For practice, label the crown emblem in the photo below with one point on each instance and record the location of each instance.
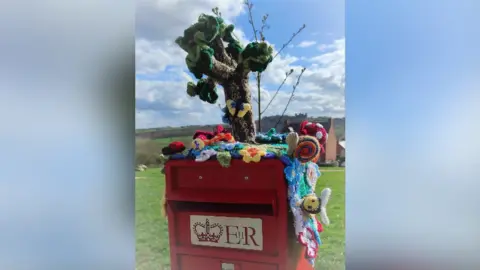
(207, 232)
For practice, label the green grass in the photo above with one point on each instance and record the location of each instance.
(152, 232)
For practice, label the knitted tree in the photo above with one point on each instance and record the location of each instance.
(213, 63)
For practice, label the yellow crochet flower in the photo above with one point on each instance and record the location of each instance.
(252, 154)
(231, 107)
(243, 108)
(198, 144)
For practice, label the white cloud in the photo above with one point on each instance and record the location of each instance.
(165, 102)
(155, 56)
(306, 43)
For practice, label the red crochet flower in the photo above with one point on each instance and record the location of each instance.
(203, 135)
(173, 148)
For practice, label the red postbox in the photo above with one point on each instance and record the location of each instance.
(234, 218)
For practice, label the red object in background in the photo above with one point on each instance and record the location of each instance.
(316, 130)
(232, 218)
(173, 148)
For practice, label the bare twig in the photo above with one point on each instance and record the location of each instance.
(250, 18)
(264, 26)
(290, 40)
(217, 12)
(278, 89)
(292, 95)
(258, 76)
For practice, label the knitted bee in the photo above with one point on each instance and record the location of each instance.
(312, 204)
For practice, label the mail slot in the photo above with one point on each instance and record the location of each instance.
(234, 218)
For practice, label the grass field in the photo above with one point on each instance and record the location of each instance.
(152, 234)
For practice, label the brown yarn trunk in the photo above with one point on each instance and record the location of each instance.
(234, 80)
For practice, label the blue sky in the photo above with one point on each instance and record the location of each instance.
(162, 74)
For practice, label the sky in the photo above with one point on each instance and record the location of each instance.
(162, 76)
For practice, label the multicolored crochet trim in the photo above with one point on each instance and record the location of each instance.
(299, 155)
(301, 180)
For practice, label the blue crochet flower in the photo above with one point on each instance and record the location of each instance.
(194, 153)
(228, 146)
(293, 171)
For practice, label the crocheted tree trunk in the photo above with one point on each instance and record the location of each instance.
(214, 64)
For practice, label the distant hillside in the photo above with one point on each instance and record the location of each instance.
(267, 123)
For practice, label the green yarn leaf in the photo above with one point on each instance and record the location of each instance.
(196, 42)
(224, 158)
(206, 91)
(192, 89)
(256, 56)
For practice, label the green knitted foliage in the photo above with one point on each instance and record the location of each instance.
(234, 47)
(228, 34)
(209, 26)
(192, 89)
(256, 56)
(196, 40)
(224, 158)
(205, 91)
(199, 60)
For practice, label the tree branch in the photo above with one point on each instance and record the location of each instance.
(221, 53)
(220, 72)
(290, 40)
(291, 95)
(287, 74)
(250, 18)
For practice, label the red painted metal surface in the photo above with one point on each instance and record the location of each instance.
(255, 191)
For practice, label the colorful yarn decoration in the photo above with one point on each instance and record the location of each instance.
(204, 89)
(256, 56)
(308, 149)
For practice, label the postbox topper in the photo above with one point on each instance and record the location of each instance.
(298, 153)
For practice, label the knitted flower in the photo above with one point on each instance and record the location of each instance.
(312, 174)
(252, 154)
(198, 144)
(205, 155)
(231, 106)
(227, 146)
(173, 148)
(292, 170)
(243, 108)
(307, 238)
